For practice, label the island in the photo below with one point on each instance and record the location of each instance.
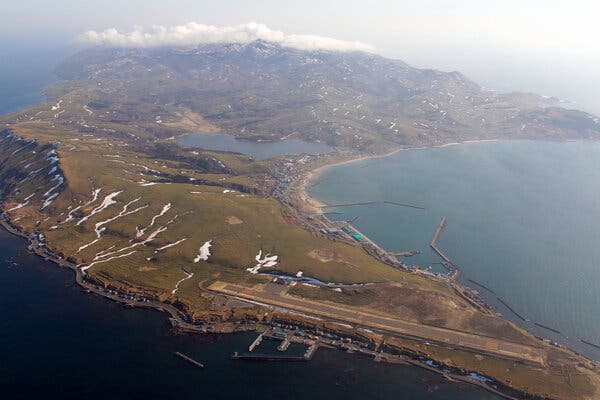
(97, 182)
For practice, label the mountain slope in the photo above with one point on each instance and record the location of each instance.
(352, 100)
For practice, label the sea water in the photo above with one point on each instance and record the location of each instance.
(523, 220)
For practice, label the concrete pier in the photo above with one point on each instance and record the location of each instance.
(284, 345)
(256, 342)
(310, 352)
(404, 205)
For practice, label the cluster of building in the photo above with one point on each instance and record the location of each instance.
(125, 296)
(314, 334)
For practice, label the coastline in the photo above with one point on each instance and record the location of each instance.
(317, 204)
(177, 319)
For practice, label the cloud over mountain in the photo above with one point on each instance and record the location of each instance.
(192, 34)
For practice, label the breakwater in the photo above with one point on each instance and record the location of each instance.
(548, 328)
(453, 270)
(404, 205)
(511, 309)
(590, 343)
(363, 203)
(189, 359)
(481, 285)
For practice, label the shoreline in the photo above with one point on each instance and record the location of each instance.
(176, 318)
(179, 318)
(318, 205)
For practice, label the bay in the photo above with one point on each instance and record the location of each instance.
(522, 220)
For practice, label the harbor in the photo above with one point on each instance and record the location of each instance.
(284, 339)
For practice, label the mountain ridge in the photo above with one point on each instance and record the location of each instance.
(352, 100)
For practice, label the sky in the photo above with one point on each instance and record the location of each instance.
(548, 47)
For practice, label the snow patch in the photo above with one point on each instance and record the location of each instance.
(108, 259)
(188, 275)
(107, 202)
(170, 245)
(140, 232)
(263, 262)
(203, 252)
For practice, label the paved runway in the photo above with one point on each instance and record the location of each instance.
(448, 337)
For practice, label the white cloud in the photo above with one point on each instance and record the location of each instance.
(193, 34)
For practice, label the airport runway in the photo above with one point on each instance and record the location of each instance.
(447, 337)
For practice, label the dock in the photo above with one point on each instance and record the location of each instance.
(256, 342)
(308, 355)
(284, 344)
(286, 341)
(190, 360)
(266, 357)
(310, 352)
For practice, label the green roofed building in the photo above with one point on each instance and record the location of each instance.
(358, 237)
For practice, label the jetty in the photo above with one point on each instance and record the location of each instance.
(590, 344)
(284, 344)
(405, 205)
(190, 360)
(256, 342)
(310, 352)
(307, 356)
(286, 340)
(481, 285)
(453, 270)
